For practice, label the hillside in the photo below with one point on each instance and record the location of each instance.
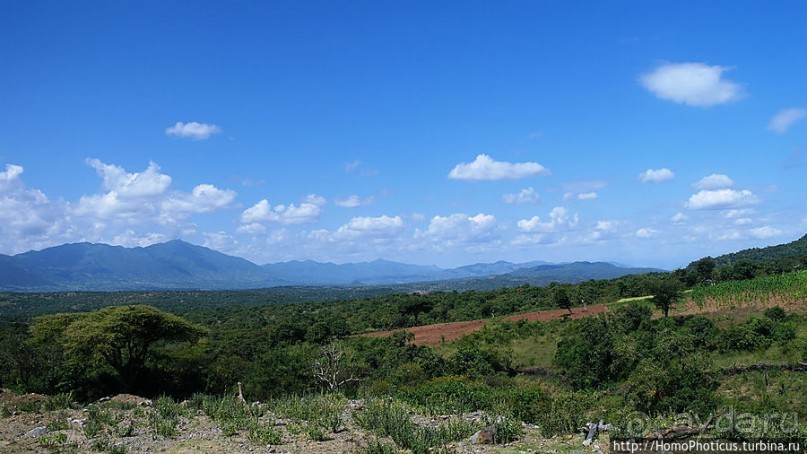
(795, 251)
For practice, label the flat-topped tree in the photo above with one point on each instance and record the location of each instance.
(121, 336)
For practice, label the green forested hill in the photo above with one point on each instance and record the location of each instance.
(795, 251)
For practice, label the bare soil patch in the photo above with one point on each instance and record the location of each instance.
(447, 332)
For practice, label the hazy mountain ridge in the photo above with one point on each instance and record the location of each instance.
(180, 265)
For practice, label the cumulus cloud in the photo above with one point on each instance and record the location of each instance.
(645, 233)
(353, 201)
(526, 196)
(22, 210)
(192, 130)
(765, 232)
(203, 199)
(12, 173)
(143, 197)
(263, 212)
(559, 219)
(606, 226)
(721, 199)
(460, 229)
(786, 118)
(485, 168)
(694, 84)
(679, 217)
(138, 184)
(372, 227)
(656, 175)
(130, 238)
(603, 229)
(131, 208)
(714, 181)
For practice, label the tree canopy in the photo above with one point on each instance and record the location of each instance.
(120, 336)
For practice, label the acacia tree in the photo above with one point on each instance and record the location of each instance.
(121, 336)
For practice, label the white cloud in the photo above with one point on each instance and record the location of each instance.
(203, 199)
(353, 201)
(143, 197)
(606, 226)
(460, 228)
(526, 196)
(130, 238)
(765, 232)
(139, 184)
(375, 227)
(714, 181)
(12, 173)
(559, 219)
(262, 212)
(694, 84)
(646, 233)
(28, 219)
(730, 214)
(743, 221)
(192, 130)
(679, 217)
(656, 176)
(314, 199)
(485, 168)
(721, 199)
(253, 229)
(581, 196)
(786, 118)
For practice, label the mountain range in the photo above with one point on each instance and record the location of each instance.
(180, 265)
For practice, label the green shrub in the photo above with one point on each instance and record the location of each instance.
(263, 435)
(565, 413)
(776, 314)
(391, 418)
(323, 411)
(450, 395)
(60, 401)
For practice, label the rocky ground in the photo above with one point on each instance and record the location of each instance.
(131, 424)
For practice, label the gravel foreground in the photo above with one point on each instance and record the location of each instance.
(132, 425)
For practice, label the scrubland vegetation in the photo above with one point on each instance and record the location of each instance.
(308, 363)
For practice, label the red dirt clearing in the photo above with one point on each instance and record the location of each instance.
(434, 334)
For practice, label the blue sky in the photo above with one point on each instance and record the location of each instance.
(447, 133)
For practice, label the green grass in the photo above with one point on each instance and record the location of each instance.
(390, 418)
(758, 391)
(321, 413)
(164, 418)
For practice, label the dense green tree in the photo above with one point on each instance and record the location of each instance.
(561, 298)
(416, 306)
(122, 337)
(666, 293)
(703, 269)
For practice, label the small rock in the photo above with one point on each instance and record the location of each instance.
(78, 422)
(36, 432)
(484, 436)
